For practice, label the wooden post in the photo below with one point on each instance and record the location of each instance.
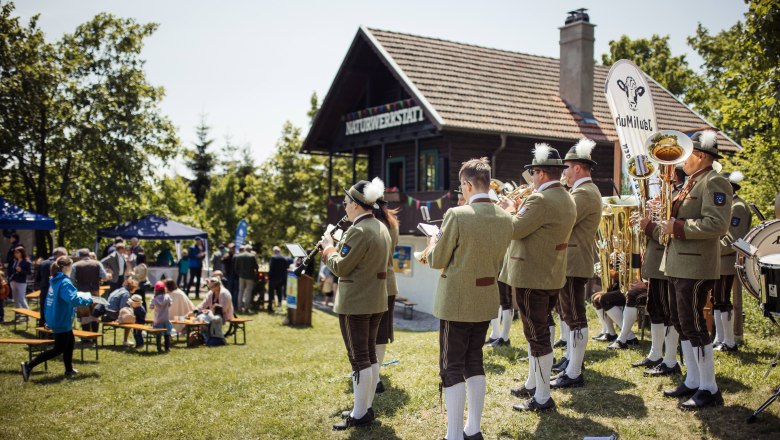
(736, 300)
(330, 174)
(354, 167)
(416, 186)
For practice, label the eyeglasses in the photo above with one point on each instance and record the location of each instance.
(462, 184)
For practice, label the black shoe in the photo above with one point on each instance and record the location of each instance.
(515, 316)
(565, 381)
(345, 414)
(605, 337)
(523, 391)
(647, 363)
(380, 387)
(26, 371)
(662, 370)
(532, 405)
(559, 343)
(72, 373)
(617, 345)
(349, 422)
(726, 348)
(477, 436)
(715, 345)
(490, 341)
(634, 341)
(500, 343)
(702, 399)
(560, 366)
(681, 391)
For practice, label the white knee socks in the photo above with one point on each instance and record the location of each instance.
(530, 382)
(706, 366)
(629, 317)
(691, 365)
(727, 318)
(552, 335)
(374, 381)
(455, 401)
(506, 324)
(543, 367)
(380, 353)
(495, 326)
(616, 315)
(577, 344)
(716, 317)
(361, 386)
(670, 346)
(657, 341)
(564, 331)
(475, 391)
(602, 320)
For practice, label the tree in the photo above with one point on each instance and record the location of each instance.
(201, 161)
(741, 93)
(655, 58)
(81, 130)
(314, 107)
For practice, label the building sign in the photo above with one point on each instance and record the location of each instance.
(402, 260)
(384, 116)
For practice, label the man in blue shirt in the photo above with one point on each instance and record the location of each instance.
(196, 255)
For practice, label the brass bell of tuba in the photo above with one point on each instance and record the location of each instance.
(668, 148)
(621, 209)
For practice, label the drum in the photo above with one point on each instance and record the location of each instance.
(770, 279)
(766, 238)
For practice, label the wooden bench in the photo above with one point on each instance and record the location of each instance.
(150, 331)
(29, 314)
(33, 345)
(33, 295)
(81, 334)
(239, 324)
(188, 326)
(408, 306)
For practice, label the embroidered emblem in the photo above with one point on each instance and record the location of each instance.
(345, 250)
(523, 210)
(720, 199)
(735, 221)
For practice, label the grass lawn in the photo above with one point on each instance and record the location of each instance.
(292, 383)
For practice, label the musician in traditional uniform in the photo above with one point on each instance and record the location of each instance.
(500, 326)
(536, 268)
(385, 333)
(579, 260)
(723, 310)
(469, 252)
(700, 216)
(360, 261)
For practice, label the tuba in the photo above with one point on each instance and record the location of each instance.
(621, 209)
(668, 148)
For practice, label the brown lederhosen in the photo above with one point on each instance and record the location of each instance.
(572, 303)
(359, 333)
(607, 300)
(505, 296)
(686, 299)
(460, 350)
(636, 296)
(385, 333)
(721, 296)
(658, 301)
(535, 308)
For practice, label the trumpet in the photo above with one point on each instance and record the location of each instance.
(339, 225)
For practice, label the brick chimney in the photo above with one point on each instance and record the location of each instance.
(576, 84)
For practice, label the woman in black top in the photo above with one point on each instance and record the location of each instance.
(20, 269)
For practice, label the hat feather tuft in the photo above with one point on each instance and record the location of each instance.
(374, 190)
(542, 152)
(708, 138)
(736, 177)
(584, 147)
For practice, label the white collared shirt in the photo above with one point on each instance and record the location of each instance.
(581, 181)
(546, 185)
(478, 196)
(360, 216)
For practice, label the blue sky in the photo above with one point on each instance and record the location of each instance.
(251, 65)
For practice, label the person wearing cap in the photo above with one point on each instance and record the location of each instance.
(139, 311)
(385, 335)
(700, 216)
(117, 263)
(218, 294)
(86, 276)
(246, 267)
(469, 252)
(664, 339)
(739, 226)
(360, 261)
(580, 252)
(277, 277)
(536, 268)
(161, 303)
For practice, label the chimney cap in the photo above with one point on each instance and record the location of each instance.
(577, 15)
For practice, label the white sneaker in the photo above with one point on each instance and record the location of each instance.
(129, 344)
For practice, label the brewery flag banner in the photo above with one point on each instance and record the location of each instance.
(241, 232)
(633, 112)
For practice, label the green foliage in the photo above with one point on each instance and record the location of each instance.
(655, 58)
(314, 107)
(742, 77)
(80, 127)
(201, 161)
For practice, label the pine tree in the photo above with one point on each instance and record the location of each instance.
(201, 162)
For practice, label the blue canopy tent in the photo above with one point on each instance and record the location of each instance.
(14, 217)
(154, 227)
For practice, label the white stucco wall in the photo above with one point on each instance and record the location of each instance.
(420, 287)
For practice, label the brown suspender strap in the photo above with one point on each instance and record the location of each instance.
(381, 275)
(561, 246)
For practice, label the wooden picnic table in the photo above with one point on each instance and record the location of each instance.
(33, 345)
(33, 295)
(27, 313)
(81, 334)
(188, 326)
(240, 324)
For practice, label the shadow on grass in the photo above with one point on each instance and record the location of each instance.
(511, 353)
(494, 368)
(61, 377)
(376, 430)
(731, 422)
(387, 403)
(553, 424)
(731, 385)
(600, 396)
(758, 357)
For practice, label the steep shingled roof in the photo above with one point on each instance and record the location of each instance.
(489, 90)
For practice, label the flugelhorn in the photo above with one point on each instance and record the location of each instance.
(668, 148)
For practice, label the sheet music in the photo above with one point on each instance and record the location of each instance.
(428, 229)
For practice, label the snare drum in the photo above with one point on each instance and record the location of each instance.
(766, 238)
(770, 280)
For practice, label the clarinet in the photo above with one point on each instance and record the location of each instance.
(299, 270)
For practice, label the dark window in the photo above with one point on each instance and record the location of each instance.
(429, 170)
(396, 172)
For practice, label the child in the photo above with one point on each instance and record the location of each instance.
(140, 318)
(215, 335)
(184, 267)
(160, 304)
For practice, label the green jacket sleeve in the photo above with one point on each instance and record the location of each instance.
(528, 217)
(441, 254)
(714, 220)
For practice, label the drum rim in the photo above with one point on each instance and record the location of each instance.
(744, 262)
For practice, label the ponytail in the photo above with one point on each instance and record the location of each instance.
(60, 264)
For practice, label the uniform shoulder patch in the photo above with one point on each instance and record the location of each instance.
(720, 198)
(345, 250)
(735, 221)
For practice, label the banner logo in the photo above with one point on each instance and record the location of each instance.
(633, 92)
